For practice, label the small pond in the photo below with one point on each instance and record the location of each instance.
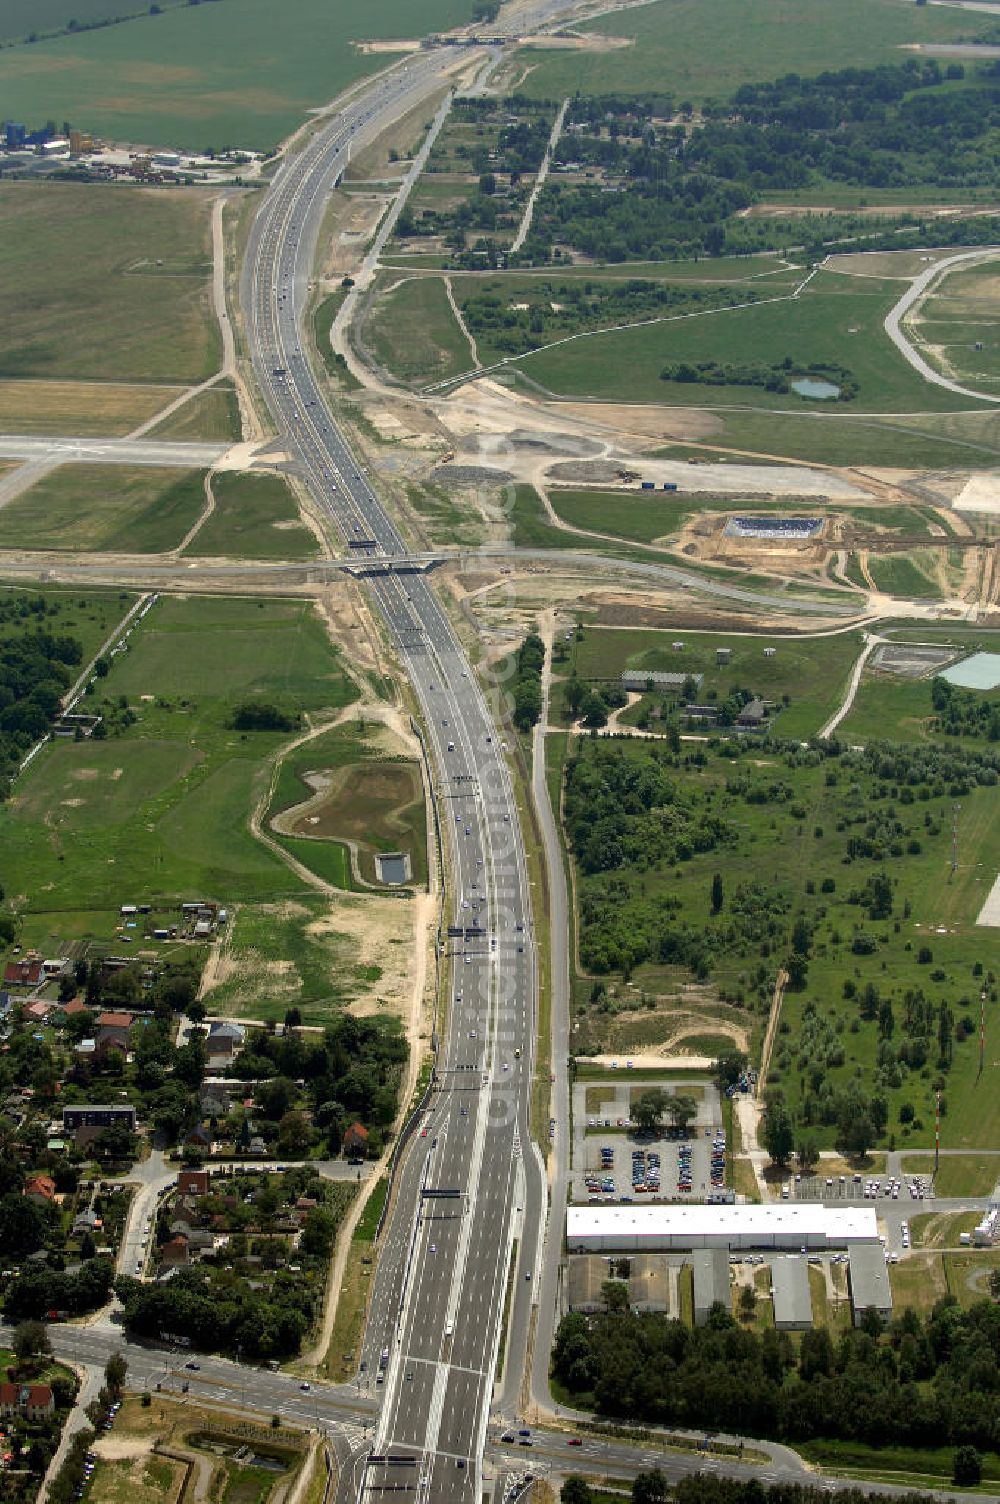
(816, 389)
(981, 671)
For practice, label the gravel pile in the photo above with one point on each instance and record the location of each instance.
(471, 475)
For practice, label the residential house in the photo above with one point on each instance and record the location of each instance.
(87, 1221)
(112, 1033)
(216, 1098)
(174, 1255)
(74, 1006)
(38, 1012)
(303, 1207)
(199, 1139)
(34, 1401)
(56, 966)
(224, 1042)
(26, 973)
(192, 1183)
(41, 1189)
(197, 1238)
(356, 1139)
(257, 1146)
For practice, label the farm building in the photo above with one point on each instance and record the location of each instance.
(710, 1267)
(642, 1229)
(790, 1293)
(637, 678)
(753, 715)
(869, 1279)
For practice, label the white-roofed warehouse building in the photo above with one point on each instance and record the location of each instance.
(661, 1229)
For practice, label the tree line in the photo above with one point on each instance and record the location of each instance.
(937, 1376)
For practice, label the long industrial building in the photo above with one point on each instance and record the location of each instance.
(647, 1229)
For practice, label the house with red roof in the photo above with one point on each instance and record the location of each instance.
(34, 1401)
(22, 973)
(40, 1188)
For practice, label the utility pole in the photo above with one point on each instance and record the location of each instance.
(954, 838)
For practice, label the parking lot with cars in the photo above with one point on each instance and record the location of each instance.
(857, 1187)
(614, 1160)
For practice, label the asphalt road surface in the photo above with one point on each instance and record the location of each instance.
(470, 1175)
(347, 1417)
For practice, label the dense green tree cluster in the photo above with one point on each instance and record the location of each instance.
(938, 1377)
(224, 1313)
(35, 672)
(964, 712)
(39, 1290)
(526, 687)
(679, 191)
(258, 715)
(628, 807)
(884, 127)
(777, 377)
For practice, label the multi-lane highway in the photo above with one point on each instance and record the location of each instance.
(470, 1182)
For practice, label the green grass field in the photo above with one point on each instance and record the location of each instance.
(81, 291)
(813, 672)
(641, 517)
(281, 957)
(836, 438)
(22, 17)
(761, 39)
(412, 333)
(214, 414)
(958, 1174)
(194, 77)
(836, 321)
(255, 517)
(111, 508)
(968, 1275)
(959, 315)
(899, 575)
(162, 809)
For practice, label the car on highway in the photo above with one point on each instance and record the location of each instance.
(574, 1441)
